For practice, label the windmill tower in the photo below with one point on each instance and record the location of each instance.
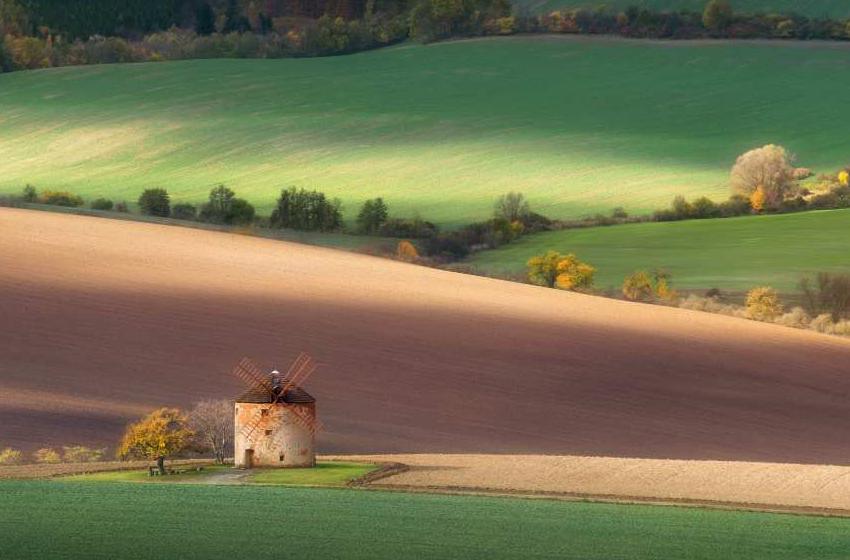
(275, 419)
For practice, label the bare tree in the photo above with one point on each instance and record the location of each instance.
(212, 422)
(512, 207)
(768, 168)
(827, 293)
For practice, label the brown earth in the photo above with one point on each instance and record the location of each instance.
(101, 319)
(797, 488)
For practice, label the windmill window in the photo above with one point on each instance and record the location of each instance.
(268, 432)
(265, 412)
(280, 458)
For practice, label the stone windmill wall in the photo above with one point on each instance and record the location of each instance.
(278, 440)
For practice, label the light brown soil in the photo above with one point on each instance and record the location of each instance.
(101, 319)
(817, 488)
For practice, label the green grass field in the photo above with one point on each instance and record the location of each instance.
(86, 520)
(731, 254)
(811, 8)
(324, 474)
(579, 125)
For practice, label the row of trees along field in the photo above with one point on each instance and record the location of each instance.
(45, 33)
(825, 296)
(205, 430)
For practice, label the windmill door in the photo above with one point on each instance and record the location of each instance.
(249, 459)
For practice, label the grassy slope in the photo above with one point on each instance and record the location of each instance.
(135, 521)
(735, 254)
(812, 8)
(579, 125)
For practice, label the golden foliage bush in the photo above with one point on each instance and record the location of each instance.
(10, 456)
(81, 454)
(763, 304)
(566, 272)
(47, 455)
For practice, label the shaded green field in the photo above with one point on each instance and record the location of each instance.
(579, 125)
(811, 8)
(731, 254)
(82, 520)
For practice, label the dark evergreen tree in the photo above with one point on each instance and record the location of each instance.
(204, 19)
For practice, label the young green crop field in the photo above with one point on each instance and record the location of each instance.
(62, 520)
(811, 8)
(731, 254)
(580, 125)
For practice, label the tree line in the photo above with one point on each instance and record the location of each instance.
(45, 33)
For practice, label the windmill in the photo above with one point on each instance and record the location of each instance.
(275, 419)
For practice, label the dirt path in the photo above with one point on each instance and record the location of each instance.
(821, 489)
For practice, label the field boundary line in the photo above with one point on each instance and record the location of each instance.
(811, 511)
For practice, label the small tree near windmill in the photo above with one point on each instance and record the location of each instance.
(159, 435)
(211, 422)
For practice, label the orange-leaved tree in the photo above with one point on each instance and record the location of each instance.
(160, 434)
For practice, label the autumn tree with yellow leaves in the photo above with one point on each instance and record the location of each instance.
(555, 270)
(159, 435)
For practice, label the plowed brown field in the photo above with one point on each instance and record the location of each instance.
(776, 486)
(102, 319)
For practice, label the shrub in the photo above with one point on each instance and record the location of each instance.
(155, 202)
(763, 304)
(406, 251)
(797, 318)
(827, 293)
(47, 455)
(122, 207)
(801, 173)
(10, 456)
(81, 454)
(619, 213)
(101, 204)
(566, 272)
(372, 216)
(30, 194)
(184, 211)
(638, 287)
(415, 228)
(61, 198)
(711, 305)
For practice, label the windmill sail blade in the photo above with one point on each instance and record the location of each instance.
(251, 426)
(252, 375)
(304, 420)
(302, 368)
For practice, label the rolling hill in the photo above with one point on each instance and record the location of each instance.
(811, 8)
(104, 319)
(579, 125)
(731, 254)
